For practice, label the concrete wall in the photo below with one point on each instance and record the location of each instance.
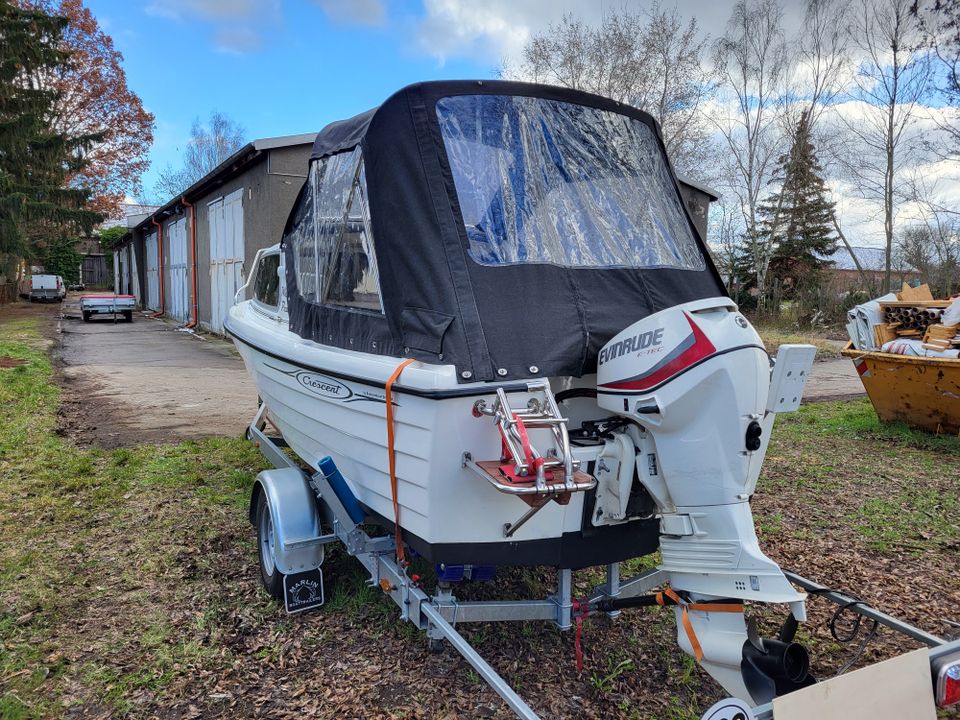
(698, 204)
(292, 160)
(269, 189)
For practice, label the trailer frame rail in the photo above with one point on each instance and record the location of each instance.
(438, 614)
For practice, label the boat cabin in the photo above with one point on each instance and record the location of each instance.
(505, 228)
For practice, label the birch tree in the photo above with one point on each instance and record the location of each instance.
(891, 80)
(751, 62)
(653, 61)
(209, 145)
(940, 22)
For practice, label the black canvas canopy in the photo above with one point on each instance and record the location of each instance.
(506, 228)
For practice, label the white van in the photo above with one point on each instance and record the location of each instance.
(47, 288)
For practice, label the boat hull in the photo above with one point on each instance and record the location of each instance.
(447, 512)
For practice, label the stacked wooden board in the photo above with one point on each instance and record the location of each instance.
(942, 337)
(916, 315)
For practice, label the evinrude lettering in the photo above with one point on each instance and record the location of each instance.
(638, 342)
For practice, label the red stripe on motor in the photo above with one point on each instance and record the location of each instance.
(701, 348)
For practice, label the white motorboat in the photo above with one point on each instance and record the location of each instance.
(513, 266)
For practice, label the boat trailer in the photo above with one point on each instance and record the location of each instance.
(438, 614)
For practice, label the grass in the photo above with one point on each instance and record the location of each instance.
(856, 421)
(895, 486)
(774, 337)
(128, 583)
(78, 521)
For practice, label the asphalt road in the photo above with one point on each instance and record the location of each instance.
(834, 379)
(146, 381)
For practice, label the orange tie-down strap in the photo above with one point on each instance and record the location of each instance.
(392, 458)
(685, 618)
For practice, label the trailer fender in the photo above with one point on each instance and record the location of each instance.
(296, 523)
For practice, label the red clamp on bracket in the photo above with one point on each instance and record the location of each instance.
(525, 444)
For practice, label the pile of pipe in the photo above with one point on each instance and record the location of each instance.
(913, 318)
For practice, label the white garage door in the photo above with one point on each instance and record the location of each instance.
(153, 274)
(123, 286)
(134, 276)
(226, 255)
(179, 288)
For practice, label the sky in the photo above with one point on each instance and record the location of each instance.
(283, 67)
(276, 68)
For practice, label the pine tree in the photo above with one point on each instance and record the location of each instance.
(38, 209)
(796, 220)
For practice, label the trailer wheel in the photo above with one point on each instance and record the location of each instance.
(271, 577)
(128, 315)
(86, 316)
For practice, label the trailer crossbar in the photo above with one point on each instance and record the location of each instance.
(856, 605)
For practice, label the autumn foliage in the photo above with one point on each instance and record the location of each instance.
(93, 99)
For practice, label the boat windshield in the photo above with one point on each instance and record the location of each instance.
(541, 181)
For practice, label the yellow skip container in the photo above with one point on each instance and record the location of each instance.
(922, 392)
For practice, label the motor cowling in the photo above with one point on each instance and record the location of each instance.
(696, 378)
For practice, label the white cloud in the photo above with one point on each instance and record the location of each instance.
(496, 30)
(355, 12)
(210, 9)
(492, 31)
(163, 10)
(236, 40)
(237, 24)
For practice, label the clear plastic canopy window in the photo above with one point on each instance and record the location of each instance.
(331, 238)
(541, 181)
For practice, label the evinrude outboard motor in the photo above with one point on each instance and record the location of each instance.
(698, 381)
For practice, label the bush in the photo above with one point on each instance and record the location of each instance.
(61, 258)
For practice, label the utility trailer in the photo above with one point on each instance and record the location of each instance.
(113, 305)
(296, 513)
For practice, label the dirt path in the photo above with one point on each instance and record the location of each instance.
(833, 379)
(131, 383)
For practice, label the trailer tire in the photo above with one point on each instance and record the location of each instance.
(271, 577)
(86, 316)
(128, 315)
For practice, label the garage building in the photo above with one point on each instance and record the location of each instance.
(238, 208)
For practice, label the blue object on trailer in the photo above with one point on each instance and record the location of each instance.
(456, 573)
(353, 507)
(449, 573)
